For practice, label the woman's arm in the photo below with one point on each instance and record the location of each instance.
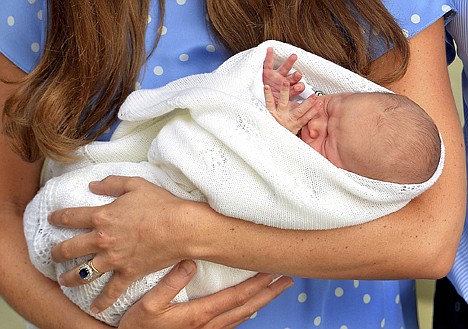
(418, 241)
(41, 301)
(31, 294)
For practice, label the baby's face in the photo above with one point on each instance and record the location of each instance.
(342, 127)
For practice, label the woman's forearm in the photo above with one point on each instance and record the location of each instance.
(413, 243)
(46, 306)
(32, 295)
(419, 241)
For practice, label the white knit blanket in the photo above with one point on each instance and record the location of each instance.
(209, 138)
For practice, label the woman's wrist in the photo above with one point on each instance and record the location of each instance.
(196, 228)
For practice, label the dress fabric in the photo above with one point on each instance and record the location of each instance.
(187, 48)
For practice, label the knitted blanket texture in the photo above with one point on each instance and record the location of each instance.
(209, 138)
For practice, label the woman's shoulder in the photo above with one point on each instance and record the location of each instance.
(416, 15)
(22, 30)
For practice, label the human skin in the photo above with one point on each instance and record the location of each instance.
(419, 241)
(345, 119)
(47, 307)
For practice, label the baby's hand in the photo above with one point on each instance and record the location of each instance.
(276, 78)
(291, 115)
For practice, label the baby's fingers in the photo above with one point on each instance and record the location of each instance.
(287, 65)
(307, 110)
(268, 63)
(269, 99)
(283, 100)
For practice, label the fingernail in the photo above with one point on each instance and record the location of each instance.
(185, 267)
(93, 182)
(94, 310)
(60, 281)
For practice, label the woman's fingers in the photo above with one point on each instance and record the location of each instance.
(241, 313)
(240, 296)
(84, 244)
(72, 217)
(113, 289)
(116, 185)
(171, 284)
(225, 309)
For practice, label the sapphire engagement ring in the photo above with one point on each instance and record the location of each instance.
(88, 272)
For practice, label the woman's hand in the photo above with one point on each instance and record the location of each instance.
(135, 235)
(225, 309)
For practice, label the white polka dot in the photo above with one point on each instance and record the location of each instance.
(339, 292)
(184, 57)
(405, 33)
(32, 1)
(317, 321)
(415, 18)
(302, 297)
(366, 298)
(158, 70)
(137, 85)
(446, 8)
(356, 283)
(382, 323)
(253, 316)
(149, 19)
(163, 30)
(210, 48)
(344, 327)
(397, 299)
(35, 47)
(11, 20)
(181, 2)
(39, 15)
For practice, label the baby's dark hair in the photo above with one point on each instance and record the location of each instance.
(409, 144)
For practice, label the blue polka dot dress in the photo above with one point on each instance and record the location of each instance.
(187, 48)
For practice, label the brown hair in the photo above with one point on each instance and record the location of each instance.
(95, 49)
(93, 55)
(339, 31)
(408, 146)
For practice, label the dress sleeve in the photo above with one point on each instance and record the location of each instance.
(22, 31)
(415, 15)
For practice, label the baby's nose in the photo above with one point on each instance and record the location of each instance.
(318, 126)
